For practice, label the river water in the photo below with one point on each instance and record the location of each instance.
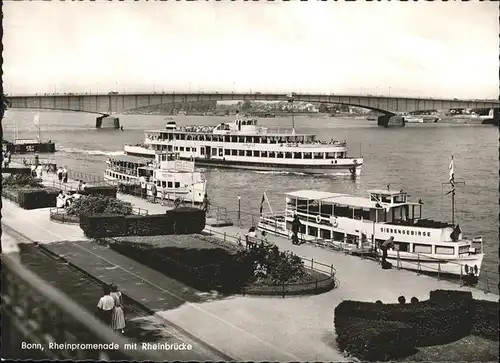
(414, 158)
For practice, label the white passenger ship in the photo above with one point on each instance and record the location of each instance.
(361, 224)
(176, 178)
(244, 144)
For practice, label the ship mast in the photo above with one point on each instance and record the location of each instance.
(452, 182)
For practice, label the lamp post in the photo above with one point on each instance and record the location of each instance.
(239, 210)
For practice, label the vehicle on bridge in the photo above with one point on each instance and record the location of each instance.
(243, 144)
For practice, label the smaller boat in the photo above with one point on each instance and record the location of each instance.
(176, 178)
(25, 146)
(363, 225)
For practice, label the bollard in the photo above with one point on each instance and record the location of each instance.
(461, 277)
(398, 261)
(331, 270)
(224, 237)
(283, 290)
(312, 263)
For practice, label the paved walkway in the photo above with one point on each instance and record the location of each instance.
(293, 328)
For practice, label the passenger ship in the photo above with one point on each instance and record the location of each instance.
(361, 224)
(176, 178)
(243, 144)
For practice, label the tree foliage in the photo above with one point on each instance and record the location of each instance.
(97, 204)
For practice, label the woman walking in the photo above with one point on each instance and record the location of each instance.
(117, 318)
(65, 175)
(105, 306)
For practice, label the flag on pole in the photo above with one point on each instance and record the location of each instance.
(452, 172)
(36, 119)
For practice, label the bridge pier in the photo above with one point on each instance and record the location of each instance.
(390, 119)
(107, 121)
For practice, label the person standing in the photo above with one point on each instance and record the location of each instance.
(105, 306)
(296, 224)
(154, 191)
(59, 174)
(117, 318)
(65, 174)
(39, 171)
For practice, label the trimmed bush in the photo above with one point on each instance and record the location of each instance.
(150, 225)
(376, 340)
(434, 324)
(445, 296)
(485, 320)
(187, 220)
(103, 225)
(103, 190)
(37, 198)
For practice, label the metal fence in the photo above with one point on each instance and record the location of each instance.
(34, 312)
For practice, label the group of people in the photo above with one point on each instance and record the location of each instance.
(64, 199)
(110, 308)
(62, 174)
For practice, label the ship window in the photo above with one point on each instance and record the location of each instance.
(181, 148)
(233, 139)
(280, 155)
(227, 138)
(241, 152)
(428, 234)
(170, 184)
(227, 152)
(214, 151)
(381, 230)
(193, 149)
(401, 246)
(331, 155)
(263, 154)
(256, 153)
(234, 152)
(288, 155)
(188, 148)
(312, 231)
(325, 234)
(412, 233)
(419, 233)
(241, 139)
(307, 155)
(183, 137)
(249, 153)
(418, 248)
(264, 140)
(399, 231)
(318, 155)
(272, 154)
(297, 155)
(202, 151)
(445, 250)
(390, 230)
(177, 184)
(188, 137)
(164, 184)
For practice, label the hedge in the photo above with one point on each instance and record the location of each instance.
(485, 319)
(106, 190)
(33, 198)
(433, 324)
(184, 221)
(376, 340)
(150, 225)
(447, 316)
(187, 220)
(102, 225)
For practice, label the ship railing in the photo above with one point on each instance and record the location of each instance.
(33, 311)
(243, 240)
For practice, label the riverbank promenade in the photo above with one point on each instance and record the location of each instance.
(242, 327)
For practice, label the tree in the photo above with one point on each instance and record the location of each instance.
(246, 105)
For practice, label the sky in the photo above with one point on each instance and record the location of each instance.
(423, 49)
